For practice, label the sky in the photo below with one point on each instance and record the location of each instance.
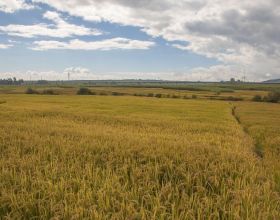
(194, 40)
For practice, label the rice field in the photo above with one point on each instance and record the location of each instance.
(125, 157)
(262, 121)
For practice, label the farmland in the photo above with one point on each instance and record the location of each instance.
(129, 157)
(202, 91)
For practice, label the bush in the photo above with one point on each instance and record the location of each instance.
(175, 96)
(103, 93)
(231, 98)
(186, 97)
(158, 95)
(150, 95)
(31, 91)
(257, 98)
(84, 91)
(117, 94)
(273, 97)
(48, 92)
(194, 96)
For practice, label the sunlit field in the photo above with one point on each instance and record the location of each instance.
(126, 157)
(139, 110)
(262, 121)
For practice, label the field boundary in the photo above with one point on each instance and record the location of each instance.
(258, 147)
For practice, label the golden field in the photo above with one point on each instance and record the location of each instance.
(125, 157)
(262, 122)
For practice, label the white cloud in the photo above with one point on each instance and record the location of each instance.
(108, 44)
(243, 33)
(5, 46)
(214, 73)
(10, 6)
(59, 29)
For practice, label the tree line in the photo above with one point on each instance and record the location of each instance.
(11, 81)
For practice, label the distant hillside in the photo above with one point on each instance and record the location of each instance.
(272, 81)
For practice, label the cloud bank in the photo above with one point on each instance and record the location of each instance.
(59, 29)
(243, 35)
(5, 46)
(10, 6)
(108, 44)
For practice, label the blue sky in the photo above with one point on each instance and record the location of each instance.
(118, 39)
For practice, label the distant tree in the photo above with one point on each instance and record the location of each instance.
(257, 98)
(158, 95)
(117, 93)
(48, 92)
(31, 91)
(232, 80)
(175, 96)
(84, 91)
(11, 81)
(194, 96)
(273, 97)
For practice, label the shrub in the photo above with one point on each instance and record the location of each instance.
(117, 93)
(175, 97)
(48, 92)
(158, 95)
(31, 91)
(273, 97)
(139, 94)
(231, 98)
(194, 96)
(150, 95)
(103, 93)
(257, 98)
(84, 91)
(186, 97)
(226, 90)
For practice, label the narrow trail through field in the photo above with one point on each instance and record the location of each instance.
(258, 148)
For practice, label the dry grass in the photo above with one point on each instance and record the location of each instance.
(98, 157)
